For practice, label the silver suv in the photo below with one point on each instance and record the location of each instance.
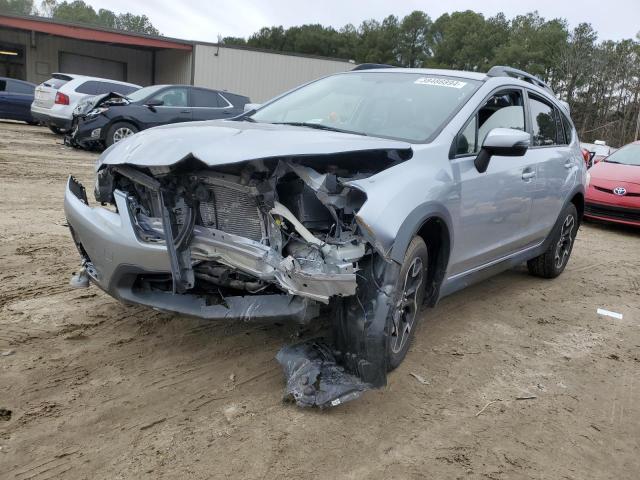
(365, 194)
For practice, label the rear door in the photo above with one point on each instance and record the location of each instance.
(19, 96)
(555, 162)
(174, 109)
(495, 206)
(209, 105)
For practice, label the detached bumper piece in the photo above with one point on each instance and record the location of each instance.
(314, 379)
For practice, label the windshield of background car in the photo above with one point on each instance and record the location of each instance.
(403, 106)
(144, 93)
(627, 155)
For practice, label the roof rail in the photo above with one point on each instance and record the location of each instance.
(370, 66)
(502, 71)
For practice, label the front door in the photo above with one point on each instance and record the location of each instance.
(174, 109)
(495, 206)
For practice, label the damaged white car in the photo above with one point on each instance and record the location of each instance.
(364, 195)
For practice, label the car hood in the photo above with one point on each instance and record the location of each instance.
(615, 172)
(223, 142)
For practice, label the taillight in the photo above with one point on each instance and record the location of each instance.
(586, 155)
(62, 99)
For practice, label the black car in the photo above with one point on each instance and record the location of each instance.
(16, 97)
(106, 119)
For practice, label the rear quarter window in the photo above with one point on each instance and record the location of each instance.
(90, 87)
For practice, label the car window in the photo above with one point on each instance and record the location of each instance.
(19, 87)
(57, 81)
(173, 97)
(405, 106)
(108, 87)
(3, 85)
(206, 98)
(503, 110)
(543, 121)
(568, 129)
(90, 87)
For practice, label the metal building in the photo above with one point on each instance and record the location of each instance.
(32, 48)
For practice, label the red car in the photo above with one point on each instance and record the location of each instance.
(613, 193)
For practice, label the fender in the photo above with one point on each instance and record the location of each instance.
(412, 224)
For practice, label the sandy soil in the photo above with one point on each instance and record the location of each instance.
(98, 390)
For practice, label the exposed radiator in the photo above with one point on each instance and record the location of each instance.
(232, 211)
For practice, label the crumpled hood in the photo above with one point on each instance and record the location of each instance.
(222, 142)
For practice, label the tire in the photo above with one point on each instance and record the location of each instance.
(57, 130)
(408, 298)
(554, 260)
(120, 130)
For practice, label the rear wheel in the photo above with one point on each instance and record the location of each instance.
(554, 260)
(408, 299)
(119, 131)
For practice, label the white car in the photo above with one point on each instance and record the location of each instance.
(55, 99)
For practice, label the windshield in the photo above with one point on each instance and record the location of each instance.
(627, 155)
(144, 93)
(404, 106)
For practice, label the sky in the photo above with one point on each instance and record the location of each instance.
(204, 20)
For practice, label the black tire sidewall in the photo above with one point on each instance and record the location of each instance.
(570, 209)
(416, 248)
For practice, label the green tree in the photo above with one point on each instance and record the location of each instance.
(413, 39)
(17, 7)
(135, 23)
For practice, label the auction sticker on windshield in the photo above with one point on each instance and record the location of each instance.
(440, 82)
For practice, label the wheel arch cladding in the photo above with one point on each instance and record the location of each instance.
(432, 223)
(578, 200)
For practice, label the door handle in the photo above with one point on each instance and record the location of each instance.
(528, 175)
(185, 111)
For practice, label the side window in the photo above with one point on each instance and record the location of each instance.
(90, 87)
(173, 97)
(205, 98)
(3, 85)
(544, 126)
(19, 87)
(503, 110)
(568, 129)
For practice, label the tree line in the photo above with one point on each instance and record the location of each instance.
(78, 11)
(599, 79)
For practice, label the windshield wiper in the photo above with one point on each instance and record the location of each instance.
(319, 126)
(610, 161)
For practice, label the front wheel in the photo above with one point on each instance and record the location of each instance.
(554, 260)
(119, 131)
(407, 301)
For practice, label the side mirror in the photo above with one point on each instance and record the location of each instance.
(251, 106)
(505, 142)
(152, 104)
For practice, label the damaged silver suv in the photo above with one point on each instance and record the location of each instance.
(363, 195)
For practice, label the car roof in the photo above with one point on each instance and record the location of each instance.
(482, 77)
(427, 71)
(75, 76)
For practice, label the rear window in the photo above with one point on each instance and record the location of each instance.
(57, 81)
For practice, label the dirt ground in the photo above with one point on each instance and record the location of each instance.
(98, 390)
